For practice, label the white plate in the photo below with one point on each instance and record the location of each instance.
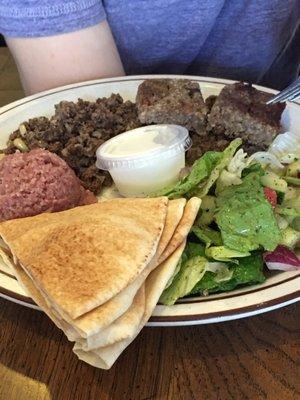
(278, 291)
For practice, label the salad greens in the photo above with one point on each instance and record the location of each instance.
(224, 160)
(250, 210)
(191, 272)
(249, 271)
(208, 235)
(245, 217)
(201, 170)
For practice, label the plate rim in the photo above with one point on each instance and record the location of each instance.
(92, 82)
(175, 320)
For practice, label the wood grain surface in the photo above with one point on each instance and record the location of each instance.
(254, 358)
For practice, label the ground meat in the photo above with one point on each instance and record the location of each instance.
(241, 111)
(202, 144)
(76, 130)
(172, 101)
(38, 181)
(210, 101)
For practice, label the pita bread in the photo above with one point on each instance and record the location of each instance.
(174, 215)
(121, 329)
(26, 282)
(83, 257)
(99, 318)
(104, 357)
(70, 328)
(95, 320)
(7, 259)
(183, 228)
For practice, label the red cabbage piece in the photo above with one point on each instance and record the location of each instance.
(282, 258)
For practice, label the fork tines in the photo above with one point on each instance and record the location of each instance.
(292, 92)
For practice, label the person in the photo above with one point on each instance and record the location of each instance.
(60, 42)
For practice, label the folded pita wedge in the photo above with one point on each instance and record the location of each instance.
(104, 357)
(98, 319)
(174, 215)
(101, 317)
(83, 257)
(122, 328)
(28, 285)
(183, 228)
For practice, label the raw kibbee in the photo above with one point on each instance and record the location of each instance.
(240, 110)
(38, 181)
(172, 101)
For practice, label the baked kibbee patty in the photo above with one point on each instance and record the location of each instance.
(172, 101)
(240, 110)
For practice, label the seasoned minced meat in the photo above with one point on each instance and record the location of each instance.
(241, 111)
(171, 101)
(76, 130)
(201, 144)
(38, 181)
(210, 101)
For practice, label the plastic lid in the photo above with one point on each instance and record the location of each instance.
(139, 147)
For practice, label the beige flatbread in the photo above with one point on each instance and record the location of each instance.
(6, 258)
(27, 283)
(101, 317)
(83, 257)
(70, 328)
(104, 357)
(121, 329)
(174, 215)
(98, 319)
(189, 215)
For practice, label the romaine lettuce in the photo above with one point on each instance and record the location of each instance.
(245, 218)
(189, 275)
(249, 271)
(201, 170)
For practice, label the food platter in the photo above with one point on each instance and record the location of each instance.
(279, 290)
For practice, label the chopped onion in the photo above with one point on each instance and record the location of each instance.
(238, 163)
(282, 258)
(286, 147)
(266, 158)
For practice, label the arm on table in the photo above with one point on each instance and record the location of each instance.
(48, 62)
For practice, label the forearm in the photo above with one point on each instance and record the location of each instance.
(48, 62)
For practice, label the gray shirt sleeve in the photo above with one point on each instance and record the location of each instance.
(35, 18)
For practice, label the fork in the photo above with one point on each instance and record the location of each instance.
(292, 92)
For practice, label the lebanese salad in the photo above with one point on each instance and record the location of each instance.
(249, 221)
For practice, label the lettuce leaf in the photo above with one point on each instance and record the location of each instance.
(245, 218)
(249, 271)
(194, 249)
(203, 175)
(225, 159)
(208, 236)
(223, 253)
(200, 171)
(190, 273)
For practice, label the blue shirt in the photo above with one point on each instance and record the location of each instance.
(253, 40)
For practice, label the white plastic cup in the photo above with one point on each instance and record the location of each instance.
(146, 159)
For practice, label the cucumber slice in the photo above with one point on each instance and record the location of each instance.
(272, 181)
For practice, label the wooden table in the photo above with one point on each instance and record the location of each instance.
(251, 359)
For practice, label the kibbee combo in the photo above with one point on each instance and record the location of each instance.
(211, 189)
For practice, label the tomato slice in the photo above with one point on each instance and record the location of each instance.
(271, 196)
